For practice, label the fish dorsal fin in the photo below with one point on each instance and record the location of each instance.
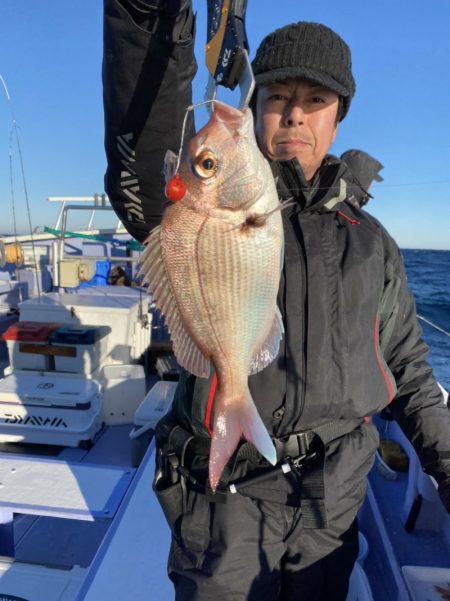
(154, 273)
(269, 350)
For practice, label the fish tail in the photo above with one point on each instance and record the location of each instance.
(232, 422)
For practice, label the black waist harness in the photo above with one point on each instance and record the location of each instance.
(303, 452)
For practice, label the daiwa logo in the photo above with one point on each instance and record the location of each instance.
(226, 57)
(34, 420)
(128, 180)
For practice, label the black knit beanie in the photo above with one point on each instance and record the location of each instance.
(310, 51)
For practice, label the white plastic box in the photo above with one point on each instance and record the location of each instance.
(49, 409)
(123, 390)
(154, 406)
(127, 316)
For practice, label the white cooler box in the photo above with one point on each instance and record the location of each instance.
(155, 405)
(48, 409)
(123, 388)
(127, 317)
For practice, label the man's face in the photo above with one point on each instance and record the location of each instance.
(296, 118)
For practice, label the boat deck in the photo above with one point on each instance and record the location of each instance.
(44, 539)
(391, 547)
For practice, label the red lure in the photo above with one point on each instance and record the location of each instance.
(175, 188)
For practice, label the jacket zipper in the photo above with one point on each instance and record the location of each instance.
(303, 322)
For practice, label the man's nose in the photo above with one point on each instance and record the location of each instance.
(294, 115)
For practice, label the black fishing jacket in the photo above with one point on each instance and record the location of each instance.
(352, 344)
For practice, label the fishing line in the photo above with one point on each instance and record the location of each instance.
(5, 88)
(375, 186)
(15, 132)
(433, 325)
(11, 182)
(10, 160)
(190, 108)
(435, 183)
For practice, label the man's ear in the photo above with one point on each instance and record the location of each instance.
(335, 133)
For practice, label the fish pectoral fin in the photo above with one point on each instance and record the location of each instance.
(185, 350)
(269, 349)
(232, 422)
(154, 273)
(255, 220)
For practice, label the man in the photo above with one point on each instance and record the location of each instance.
(352, 343)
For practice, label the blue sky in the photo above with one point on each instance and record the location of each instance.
(50, 58)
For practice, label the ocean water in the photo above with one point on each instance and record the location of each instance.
(428, 274)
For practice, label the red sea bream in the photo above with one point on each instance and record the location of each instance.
(213, 268)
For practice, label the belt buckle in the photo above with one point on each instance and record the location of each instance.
(303, 443)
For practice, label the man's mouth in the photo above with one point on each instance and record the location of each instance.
(293, 142)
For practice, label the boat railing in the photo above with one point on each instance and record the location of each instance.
(97, 201)
(92, 205)
(64, 233)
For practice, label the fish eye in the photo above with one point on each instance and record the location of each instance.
(205, 164)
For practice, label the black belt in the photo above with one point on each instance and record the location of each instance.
(293, 445)
(325, 432)
(297, 450)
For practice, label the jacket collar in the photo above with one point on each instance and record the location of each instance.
(324, 193)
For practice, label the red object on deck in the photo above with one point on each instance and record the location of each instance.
(30, 331)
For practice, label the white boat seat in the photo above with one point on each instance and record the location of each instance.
(39, 583)
(48, 487)
(427, 583)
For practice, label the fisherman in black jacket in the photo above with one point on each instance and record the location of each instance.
(352, 343)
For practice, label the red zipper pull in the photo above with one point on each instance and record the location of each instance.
(349, 219)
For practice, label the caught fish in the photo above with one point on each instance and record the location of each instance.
(213, 268)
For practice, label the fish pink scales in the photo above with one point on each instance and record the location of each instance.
(213, 268)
